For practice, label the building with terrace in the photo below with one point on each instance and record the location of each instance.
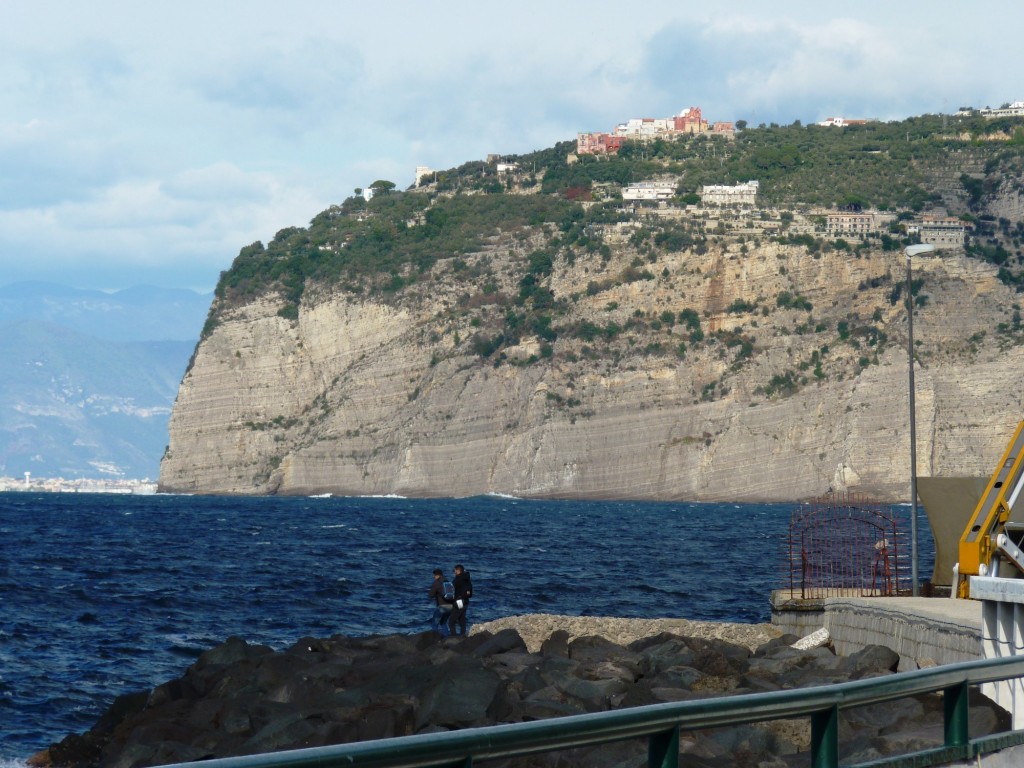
(744, 194)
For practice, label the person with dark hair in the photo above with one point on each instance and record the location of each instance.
(463, 591)
(442, 601)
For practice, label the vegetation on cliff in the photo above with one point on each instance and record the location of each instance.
(389, 242)
(557, 209)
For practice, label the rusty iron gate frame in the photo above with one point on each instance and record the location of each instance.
(846, 545)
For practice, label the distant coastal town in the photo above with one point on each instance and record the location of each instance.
(689, 122)
(29, 484)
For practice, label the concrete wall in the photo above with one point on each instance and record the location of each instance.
(923, 631)
(1007, 758)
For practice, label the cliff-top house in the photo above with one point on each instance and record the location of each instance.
(688, 122)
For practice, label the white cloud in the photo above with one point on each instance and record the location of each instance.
(806, 68)
(153, 148)
(314, 78)
(134, 226)
(219, 181)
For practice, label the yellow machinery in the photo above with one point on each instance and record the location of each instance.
(994, 532)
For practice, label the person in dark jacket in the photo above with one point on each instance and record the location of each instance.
(442, 604)
(463, 591)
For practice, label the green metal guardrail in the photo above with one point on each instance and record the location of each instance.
(661, 724)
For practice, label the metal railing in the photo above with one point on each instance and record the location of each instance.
(662, 723)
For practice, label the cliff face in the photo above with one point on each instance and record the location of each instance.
(779, 400)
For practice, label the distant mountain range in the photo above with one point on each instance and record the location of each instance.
(143, 313)
(90, 377)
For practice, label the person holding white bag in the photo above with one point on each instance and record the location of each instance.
(463, 591)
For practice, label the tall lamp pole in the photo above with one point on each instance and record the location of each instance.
(913, 250)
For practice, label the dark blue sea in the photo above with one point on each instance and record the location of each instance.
(102, 595)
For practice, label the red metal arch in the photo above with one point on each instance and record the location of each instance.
(845, 544)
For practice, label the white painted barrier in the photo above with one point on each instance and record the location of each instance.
(1002, 634)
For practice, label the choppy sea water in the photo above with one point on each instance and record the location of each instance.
(104, 595)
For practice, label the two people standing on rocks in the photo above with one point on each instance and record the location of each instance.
(451, 599)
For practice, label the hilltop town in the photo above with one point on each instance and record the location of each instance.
(736, 208)
(689, 122)
(935, 228)
(737, 204)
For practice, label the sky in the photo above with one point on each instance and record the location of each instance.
(146, 143)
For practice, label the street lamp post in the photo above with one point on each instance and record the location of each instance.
(913, 250)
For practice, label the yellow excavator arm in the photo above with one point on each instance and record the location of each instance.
(980, 551)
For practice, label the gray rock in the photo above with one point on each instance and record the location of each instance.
(387, 719)
(665, 693)
(610, 670)
(551, 668)
(595, 695)
(556, 645)
(663, 651)
(871, 660)
(885, 715)
(541, 709)
(913, 739)
(640, 695)
(550, 700)
(231, 651)
(594, 648)
(503, 642)
(171, 691)
(235, 721)
(783, 640)
(461, 697)
(677, 677)
(512, 663)
(136, 755)
(509, 694)
(281, 733)
(784, 667)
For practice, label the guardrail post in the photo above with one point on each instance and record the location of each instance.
(955, 707)
(663, 749)
(825, 738)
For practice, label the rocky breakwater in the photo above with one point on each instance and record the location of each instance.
(241, 699)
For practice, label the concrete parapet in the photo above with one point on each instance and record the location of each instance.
(1006, 758)
(925, 631)
(1002, 616)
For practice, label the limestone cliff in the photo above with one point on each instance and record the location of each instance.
(791, 381)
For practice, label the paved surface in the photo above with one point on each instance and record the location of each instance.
(966, 613)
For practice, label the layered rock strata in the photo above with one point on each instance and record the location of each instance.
(359, 396)
(781, 398)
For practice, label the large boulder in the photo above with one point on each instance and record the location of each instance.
(871, 661)
(461, 696)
